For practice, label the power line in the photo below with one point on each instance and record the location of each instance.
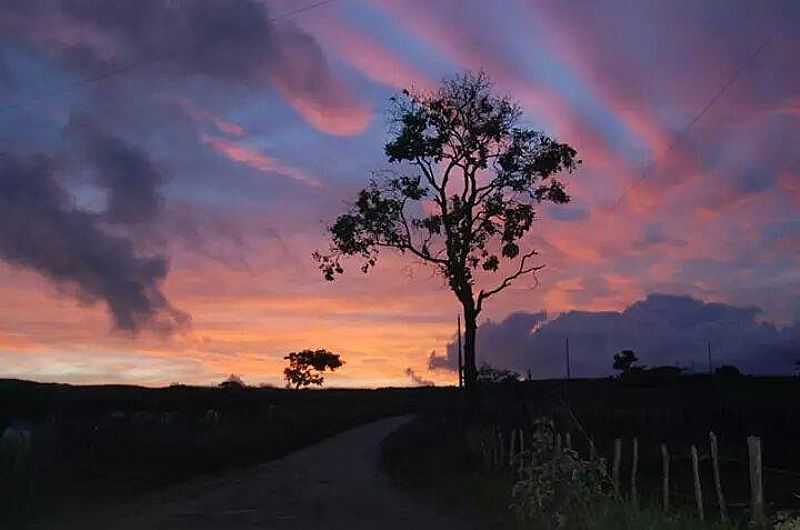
(711, 102)
(125, 68)
(301, 10)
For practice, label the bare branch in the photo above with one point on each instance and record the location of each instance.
(523, 270)
(427, 170)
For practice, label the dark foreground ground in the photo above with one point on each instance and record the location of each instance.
(96, 447)
(336, 484)
(93, 446)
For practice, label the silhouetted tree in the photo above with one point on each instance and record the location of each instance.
(464, 197)
(488, 374)
(306, 367)
(624, 361)
(233, 382)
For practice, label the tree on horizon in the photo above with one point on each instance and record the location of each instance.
(625, 361)
(462, 198)
(306, 367)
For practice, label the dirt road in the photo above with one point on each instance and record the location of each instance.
(333, 485)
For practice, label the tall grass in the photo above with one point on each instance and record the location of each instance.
(621, 516)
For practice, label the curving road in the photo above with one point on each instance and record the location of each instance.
(335, 484)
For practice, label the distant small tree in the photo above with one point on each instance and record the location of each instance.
(488, 374)
(233, 382)
(306, 367)
(624, 361)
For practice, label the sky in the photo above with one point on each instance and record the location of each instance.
(167, 168)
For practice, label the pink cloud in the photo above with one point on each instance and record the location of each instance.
(469, 49)
(304, 80)
(789, 183)
(791, 107)
(369, 56)
(223, 125)
(472, 48)
(322, 113)
(259, 161)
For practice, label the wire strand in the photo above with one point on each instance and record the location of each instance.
(711, 102)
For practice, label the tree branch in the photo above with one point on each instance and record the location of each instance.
(483, 295)
(427, 170)
(410, 244)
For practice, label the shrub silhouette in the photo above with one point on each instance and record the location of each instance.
(490, 375)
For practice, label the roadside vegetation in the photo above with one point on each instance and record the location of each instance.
(552, 483)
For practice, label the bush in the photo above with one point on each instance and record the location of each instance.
(489, 375)
(784, 521)
(558, 487)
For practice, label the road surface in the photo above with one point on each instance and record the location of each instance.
(336, 484)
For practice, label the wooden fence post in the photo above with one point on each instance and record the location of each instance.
(502, 450)
(615, 468)
(511, 447)
(665, 467)
(698, 492)
(496, 449)
(723, 507)
(756, 482)
(634, 470)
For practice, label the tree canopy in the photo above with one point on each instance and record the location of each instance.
(461, 196)
(624, 360)
(306, 367)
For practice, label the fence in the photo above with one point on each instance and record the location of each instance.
(508, 450)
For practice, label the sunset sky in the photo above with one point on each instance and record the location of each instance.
(167, 167)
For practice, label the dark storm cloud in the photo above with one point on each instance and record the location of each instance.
(130, 179)
(235, 42)
(43, 230)
(223, 39)
(144, 53)
(662, 329)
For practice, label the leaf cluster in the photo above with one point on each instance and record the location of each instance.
(557, 487)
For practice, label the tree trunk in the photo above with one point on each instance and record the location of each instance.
(470, 331)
